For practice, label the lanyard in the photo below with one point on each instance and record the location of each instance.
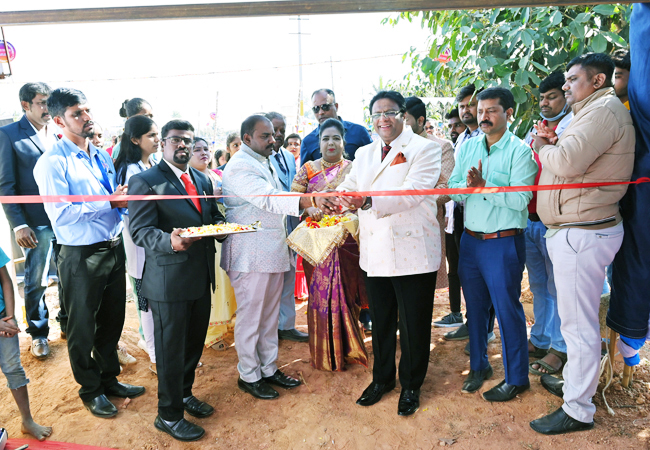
(105, 182)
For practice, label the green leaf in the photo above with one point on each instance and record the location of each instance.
(491, 61)
(527, 38)
(482, 64)
(583, 17)
(427, 65)
(605, 10)
(540, 67)
(577, 30)
(534, 78)
(519, 94)
(556, 17)
(521, 78)
(465, 29)
(599, 43)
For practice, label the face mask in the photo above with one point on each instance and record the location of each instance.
(564, 112)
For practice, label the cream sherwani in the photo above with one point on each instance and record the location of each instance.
(256, 262)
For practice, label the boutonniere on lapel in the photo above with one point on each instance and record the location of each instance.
(59, 136)
(399, 159)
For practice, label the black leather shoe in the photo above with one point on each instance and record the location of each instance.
(124, 390)
(559, 422)
(409, 402)
(282, 380)
(374, 393)
(475, 379)
(197, 408)
(260, 389)
(552, 384)
(100, 406)
(459, 334)
(182, 430)
(503, 392)
(293, 335)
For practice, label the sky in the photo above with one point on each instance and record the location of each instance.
(181, 66)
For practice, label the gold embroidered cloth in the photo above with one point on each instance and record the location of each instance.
(316, 244)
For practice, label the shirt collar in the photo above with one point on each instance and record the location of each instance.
(254, 154)
(178, 172)
(501, 143)
(74, 150)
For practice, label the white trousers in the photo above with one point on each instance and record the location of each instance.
(579, 259)
(288, 301)
(256, 327)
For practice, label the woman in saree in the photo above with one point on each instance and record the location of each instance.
(223, 297)
(336, 289)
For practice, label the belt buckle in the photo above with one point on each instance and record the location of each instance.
(114, 242)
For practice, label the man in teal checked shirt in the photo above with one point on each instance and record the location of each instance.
(492, 248)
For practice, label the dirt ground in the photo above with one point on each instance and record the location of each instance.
(322, 412)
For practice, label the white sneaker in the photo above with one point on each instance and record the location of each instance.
(142, 345)
(123, 356)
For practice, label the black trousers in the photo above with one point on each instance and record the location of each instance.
(179, 334)
(409, 298)
(454, 281)
(93, 285)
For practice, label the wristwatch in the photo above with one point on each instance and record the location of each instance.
(367, 204)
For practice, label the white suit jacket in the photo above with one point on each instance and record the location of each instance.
(264, 251)
(398, 235)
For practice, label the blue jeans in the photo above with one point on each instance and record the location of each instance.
(10, 361)
(490, 272)
(545, 333)
(37, 266)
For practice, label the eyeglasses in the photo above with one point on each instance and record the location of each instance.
(326, 107)
(176, 140)
(386, 114)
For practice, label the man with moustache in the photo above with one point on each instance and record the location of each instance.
(178, 274)
(325, 107)
(399, 248)
(91, 260)
(284, 165)
(467, 106)
(257, 262)
(21, 144)
(493, 249)
(456, 127)
(585, 226)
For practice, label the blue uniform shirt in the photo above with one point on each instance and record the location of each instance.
(355, 136)
(67, 170)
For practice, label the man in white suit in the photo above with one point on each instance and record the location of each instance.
(256, 262)
(399, 247)
(284, 164)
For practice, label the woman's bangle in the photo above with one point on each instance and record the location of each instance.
(313, 202)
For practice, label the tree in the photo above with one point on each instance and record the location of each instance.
(514, 47)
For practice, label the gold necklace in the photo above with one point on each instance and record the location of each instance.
(327, 165)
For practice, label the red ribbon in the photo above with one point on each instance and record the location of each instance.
(448, 191)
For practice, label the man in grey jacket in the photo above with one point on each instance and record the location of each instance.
(585, 226)
(256, 262)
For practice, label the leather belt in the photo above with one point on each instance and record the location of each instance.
(112, 243)
(533, 217)
(498, 234)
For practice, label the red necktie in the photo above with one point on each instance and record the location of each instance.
(384, 152)
(189, 187)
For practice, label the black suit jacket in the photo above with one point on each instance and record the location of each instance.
(169, 276)
(19, 151)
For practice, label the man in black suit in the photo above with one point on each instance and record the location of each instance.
(178, 274)
(21, 144)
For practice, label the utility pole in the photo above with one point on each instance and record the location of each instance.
(301, 110)
(216, 116)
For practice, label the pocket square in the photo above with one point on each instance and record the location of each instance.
(399, 159)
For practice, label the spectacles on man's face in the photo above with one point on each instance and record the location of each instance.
(176, 141)
(386, 114)
(325, 107)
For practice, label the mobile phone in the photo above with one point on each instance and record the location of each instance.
(3, 438)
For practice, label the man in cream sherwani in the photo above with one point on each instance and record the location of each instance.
(256, 262)
(399, 245)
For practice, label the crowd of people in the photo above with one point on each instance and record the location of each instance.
(189, 288)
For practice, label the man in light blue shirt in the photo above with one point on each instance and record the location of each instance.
(91, 260)
(493, 249)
